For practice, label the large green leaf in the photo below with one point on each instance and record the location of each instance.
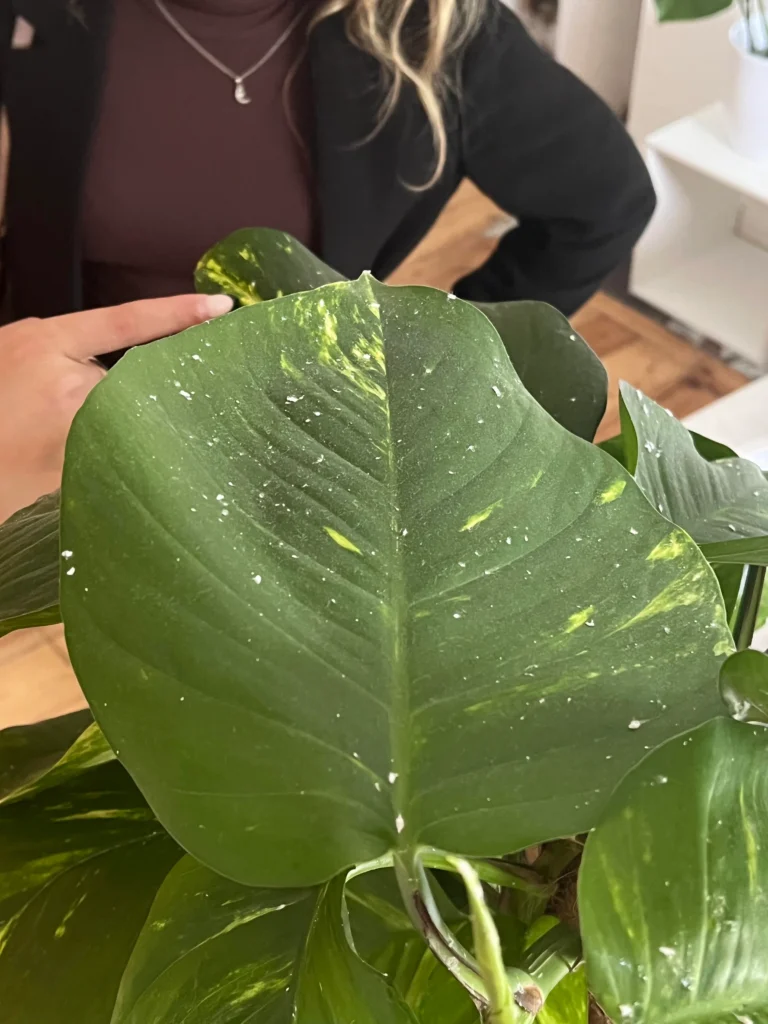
(29, 751)
(258, 263)
(213, 950)
(538, 338)
(79, 866)
(685, 10)
(255, 264)
(29, 566)
(723, 504)
(354, 605)
(674, 884)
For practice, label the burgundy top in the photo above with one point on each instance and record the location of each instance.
(176, 163)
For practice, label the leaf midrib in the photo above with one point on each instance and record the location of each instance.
(399, 715)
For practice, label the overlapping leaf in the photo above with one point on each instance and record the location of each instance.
(710, 450)
(684, 10)
(258, 263)
(744, 685)
(723, 504)
(357, 556)
(554, 363)
(29, 560)
(215, 950)
(255, 264)
(674, 884)
(29, 751)
(80, 863)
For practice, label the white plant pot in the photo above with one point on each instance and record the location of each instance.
(749, 99)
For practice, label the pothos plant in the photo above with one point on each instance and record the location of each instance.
(412, 705)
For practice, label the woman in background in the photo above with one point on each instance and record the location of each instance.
(145, 130)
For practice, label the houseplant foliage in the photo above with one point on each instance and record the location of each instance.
(381, 639)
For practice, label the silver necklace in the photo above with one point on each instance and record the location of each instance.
(241, 95)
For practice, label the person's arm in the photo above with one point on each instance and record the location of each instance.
(544, 147)
(47, 370)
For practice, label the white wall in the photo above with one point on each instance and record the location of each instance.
(679, 68)
(596, 39)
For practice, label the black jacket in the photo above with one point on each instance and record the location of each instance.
(527, 132)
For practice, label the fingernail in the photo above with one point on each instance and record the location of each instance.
(217, 305)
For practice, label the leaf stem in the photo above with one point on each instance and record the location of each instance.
(550, 958)
(426, 917)
(493, 870)
(748, 606)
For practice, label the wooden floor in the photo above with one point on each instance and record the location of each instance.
(35, 678)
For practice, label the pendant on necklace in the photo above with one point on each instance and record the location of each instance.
(241, 96)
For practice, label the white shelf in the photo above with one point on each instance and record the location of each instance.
(722, 293)
(691, 264)
(701, 143)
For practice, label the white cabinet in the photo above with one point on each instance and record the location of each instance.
(693, 262)
(703, 261)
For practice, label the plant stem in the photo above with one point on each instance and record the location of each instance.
(550, 958)
(748, 606)
(424, 913)
(493, 870)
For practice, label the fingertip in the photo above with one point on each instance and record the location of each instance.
(216, 305)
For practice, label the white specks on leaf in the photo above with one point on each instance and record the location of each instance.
(399, 823)
(392, 778)
(636, 723)
(67, 554)
(71, 572)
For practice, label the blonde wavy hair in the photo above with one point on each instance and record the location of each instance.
(418, 55)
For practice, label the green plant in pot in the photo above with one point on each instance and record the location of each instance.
(412, 705)
(748, 126)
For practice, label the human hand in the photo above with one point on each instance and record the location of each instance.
(47, 368)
